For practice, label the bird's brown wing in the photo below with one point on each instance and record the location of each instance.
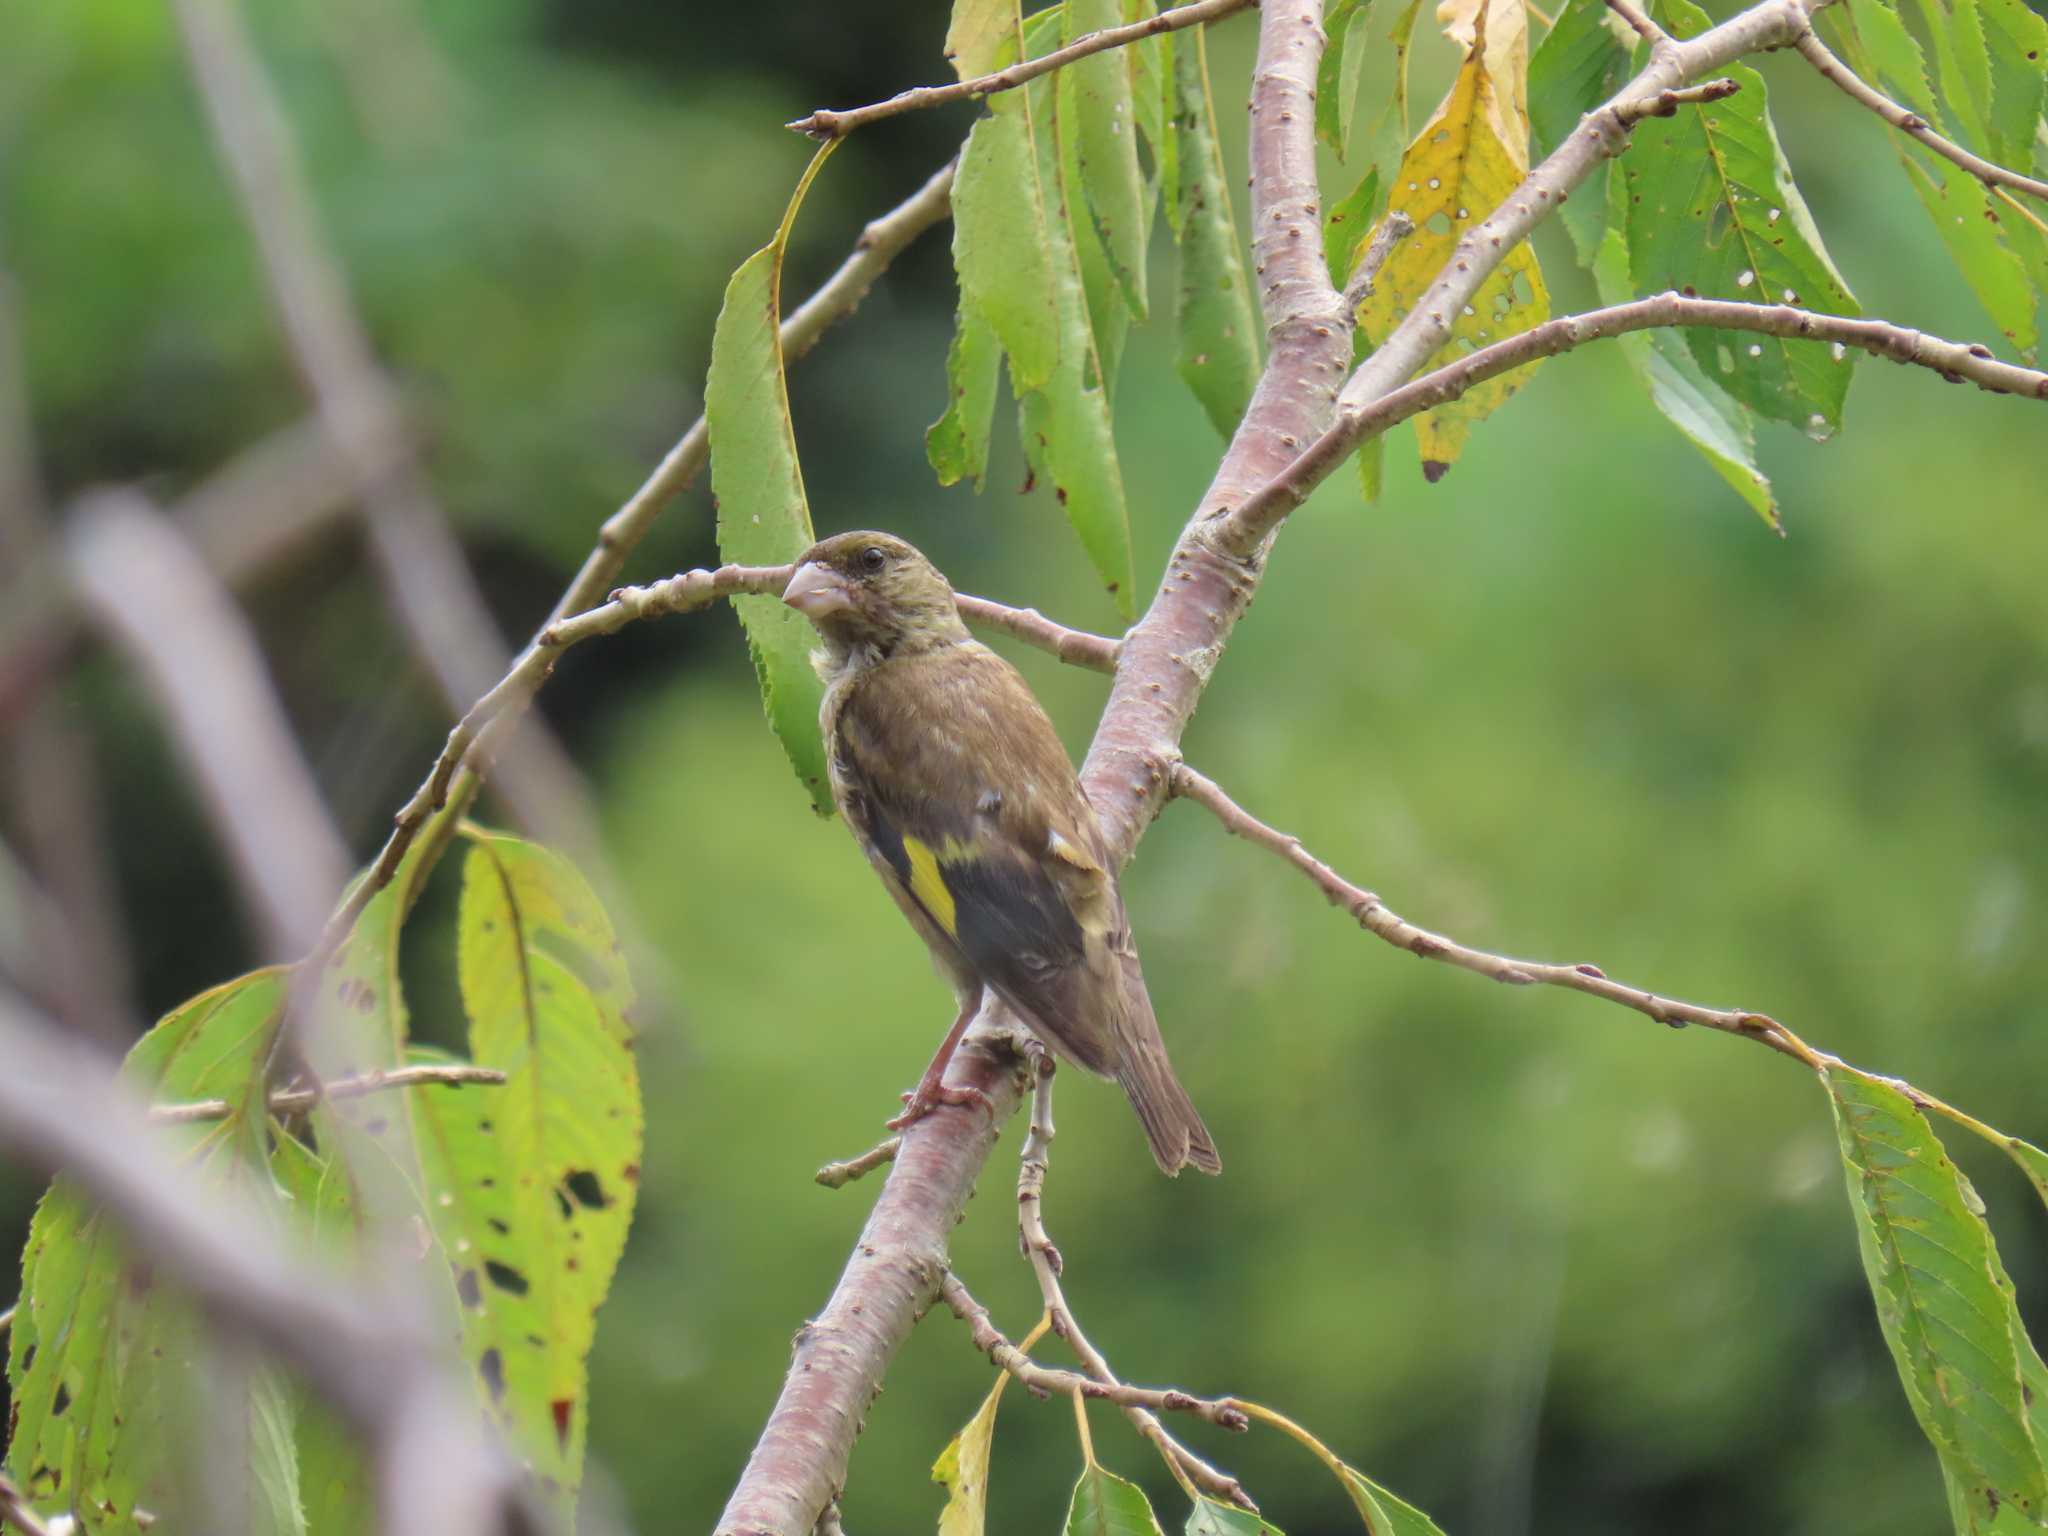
(956, 780)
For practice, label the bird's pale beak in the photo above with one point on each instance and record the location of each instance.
(817, 591)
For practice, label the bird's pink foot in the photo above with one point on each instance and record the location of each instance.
(928, 1098)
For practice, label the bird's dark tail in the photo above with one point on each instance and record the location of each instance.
(1172, 1125)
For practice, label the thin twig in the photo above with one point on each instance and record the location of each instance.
(15, 1512)
(1033, 1160)
(839, 1175)
(1394, 228)
(1639, 23)
(1833, 69)
(1045, 1380)
(296, 1100)
(826, 124)
(880, 242)
(1378, 919)
(1955, 361)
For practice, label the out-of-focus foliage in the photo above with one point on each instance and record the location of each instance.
(1539, 1265)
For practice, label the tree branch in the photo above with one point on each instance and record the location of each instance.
(1639, 23)
(825, 124)
(1378, 919)
(1394, 228)
(839, 1175)
(1831, 67)
(1954, 361)
(294, 1101)
(880, 242)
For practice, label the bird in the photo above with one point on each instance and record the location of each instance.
(957, 788)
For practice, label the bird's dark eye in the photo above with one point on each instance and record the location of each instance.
(872, 559)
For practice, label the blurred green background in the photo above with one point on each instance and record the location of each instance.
(1536, 1263)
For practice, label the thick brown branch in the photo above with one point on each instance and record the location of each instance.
(1955, 361)
(1378, 919)
(1818, 54)
(296, 1100)
(825, 124)
(1045, 1380)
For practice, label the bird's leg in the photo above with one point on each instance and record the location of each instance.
(931, 1090)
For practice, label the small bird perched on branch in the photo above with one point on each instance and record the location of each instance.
(958, 790)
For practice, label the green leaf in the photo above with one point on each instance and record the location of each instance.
(957, 444)
(102, 1357)
(1372, 469)
(2017, 42)
(1219, 335)
(1720, 428)
(531, 1185)
(1961, 62)
(1884, 52)
(1712, 210)
(1337, 74)
(1209, 1518)
(2034, 1164)
(1579, 64)
(979, 34)
(1106, 1505)
(763, 517)
(1103, 127)
(1347, 223)
(1002, 240)
(962, 1468)
(1971, 225)
(1383, 1513)
(1943, 1301)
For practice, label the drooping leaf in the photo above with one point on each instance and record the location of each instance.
(1219, 337)
(1372, 469)
(1002, 239)
(1151, 64)
(531, 1184)
(1970, 223)
(103, 1356)
(1962, 63)
(2033, 1163)
(1104, 133)
(979, 34)
(1209, 1518)
(1943, 1302)
(1579, 64)
(1383, 1513)
(1401, 43)
(1106, 1505)
(962, 1468)
(763, 516)
(1712, 210)
(1106, 309)
(957, 444)
(1471, 153)
(1337, 74)
(2016, 43)
(1347, 223)
(1718, 426)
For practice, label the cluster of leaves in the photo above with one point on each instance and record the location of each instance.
(521, 1192)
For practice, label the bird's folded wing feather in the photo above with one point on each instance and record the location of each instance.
(963, 788)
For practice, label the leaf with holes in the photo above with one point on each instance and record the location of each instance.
(1712, 210)
(1219, 346)
(531, 1185)
(1106, 1505)
(962, 1468)
(103, 1358)
(1943, 1302)
(1580, 63)
(763, 516)
(1466, 159)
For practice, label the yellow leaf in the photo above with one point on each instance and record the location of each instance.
(962, 1469)
(1469, 156)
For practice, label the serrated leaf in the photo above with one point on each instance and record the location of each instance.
(1337, 73)
(1383, 1513)
(1579, 64)
(1218, 352)
(1884, 52)
(1719, 427)
(1712, 210)
(1970, 225)
(1002, 241)
(1151, 64)
(102, 1357)
(1961, 63)
(1470, 155)
(763, 516)
(957, 443)
(1942, 1300)
(1209, 1518)
(1104, 133)
(1347, 223)
(531, 1185)
(962, 1468)
(1106, 310)
(2016, 41)
(1106, 1505)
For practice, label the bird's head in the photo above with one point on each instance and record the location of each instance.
(874, 590)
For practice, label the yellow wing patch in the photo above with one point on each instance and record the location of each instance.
(929, 886)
